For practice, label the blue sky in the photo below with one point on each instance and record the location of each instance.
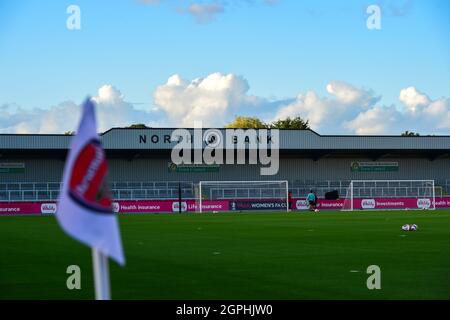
(281, 50)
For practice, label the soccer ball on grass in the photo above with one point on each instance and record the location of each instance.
(410, 227)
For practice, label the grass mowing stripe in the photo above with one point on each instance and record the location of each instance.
(261, 256)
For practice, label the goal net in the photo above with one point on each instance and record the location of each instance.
(390, 195)
(242, 196)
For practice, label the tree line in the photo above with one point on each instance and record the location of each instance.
(244, 122)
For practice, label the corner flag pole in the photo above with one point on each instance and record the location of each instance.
(179, 197)
(101, 275)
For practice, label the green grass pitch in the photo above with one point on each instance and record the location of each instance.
(238, 256)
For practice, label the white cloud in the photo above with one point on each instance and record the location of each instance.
(211, 100)
(396, 8)
(112, 111)
(152, 2)
(377, 120)
(413, 99)
(329, 114)
(55, 120)
(426, 114)
(217, 98)
(355, 110)
(437, 113)
(350, 95)
(205, 12)
(308, 106)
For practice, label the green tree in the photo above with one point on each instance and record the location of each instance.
(241, 122)
(410, 134)
(138, 126)
(290, 123)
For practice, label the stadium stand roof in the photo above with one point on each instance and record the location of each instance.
(135, 142)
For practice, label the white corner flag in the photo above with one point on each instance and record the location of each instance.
(85, 204)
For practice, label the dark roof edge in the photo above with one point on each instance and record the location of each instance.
(172, 128)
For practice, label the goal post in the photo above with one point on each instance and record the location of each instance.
(390, 195)
(243, 195)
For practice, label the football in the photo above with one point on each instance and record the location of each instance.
(410, 227)
(317, 210)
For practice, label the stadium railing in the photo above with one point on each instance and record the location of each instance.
(48, 191)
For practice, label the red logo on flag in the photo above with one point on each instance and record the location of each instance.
(88, 185)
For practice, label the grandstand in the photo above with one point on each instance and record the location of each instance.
(140, 166)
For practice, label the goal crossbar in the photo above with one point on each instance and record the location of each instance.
(367, 192)
(243, 185)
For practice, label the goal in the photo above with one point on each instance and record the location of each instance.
(242, 196)
(390, 195)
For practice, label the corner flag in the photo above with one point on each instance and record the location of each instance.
(85, 205)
